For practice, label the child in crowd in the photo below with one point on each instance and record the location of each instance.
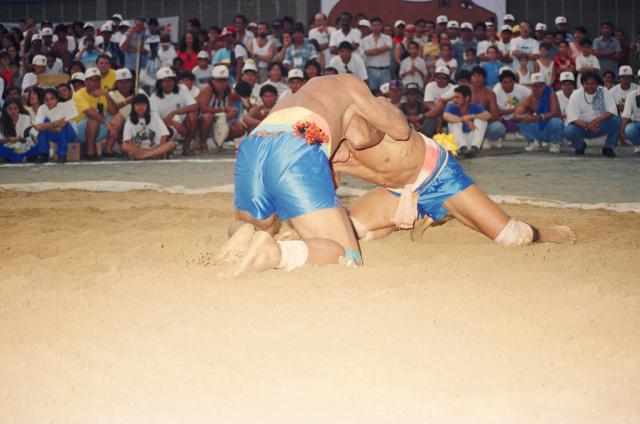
(469, 60)
(491, 66)
(563, 62)
(52, 128)
(586, 62)
(523, 73)
(447, 59)
(544, 65)
(145, 135)
(413, 69)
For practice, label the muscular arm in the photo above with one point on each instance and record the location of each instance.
(203, 99)
(522, 110)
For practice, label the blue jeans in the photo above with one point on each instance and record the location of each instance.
(377, 77)
(609, 127)
(42, 148)
(632, 132)
(61, 138)
(80, 129)
(495, 131)
(552, 133)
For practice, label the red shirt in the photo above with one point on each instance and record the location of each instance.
(189, 59)
(6, 74)
(560, 65)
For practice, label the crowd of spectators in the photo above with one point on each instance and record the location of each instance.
(124, 88)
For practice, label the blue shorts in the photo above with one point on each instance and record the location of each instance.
(280, 173)
(450, 181)
(80, 129)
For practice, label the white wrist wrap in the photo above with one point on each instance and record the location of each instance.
(293, 254)
(361, 231)
(515, 233)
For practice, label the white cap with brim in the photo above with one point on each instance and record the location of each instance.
(504, 28)
(567, 76)
(625, 71)
(364, 23)
(202, 54)
(541, 27)
(508, 17)
(125, 24)
(117, 16)
(295, 73)
(107, 27)
(78, 76)
(399, 22)
(442, 19)
(466, 25)
(164, 73)
(39, 60)
(220, 72)
(249, 66)
(503, 69)
(453, 24)
(92, 73)
(443, 70)
(123, 74)
(46, 32)
(537, 78)
(36, 37)
(88, 25)
(560, 20)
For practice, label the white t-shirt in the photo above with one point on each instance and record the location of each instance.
(57, 68)
(194, 90)
(510, 100)
(380, 60)
(262, 51)
(24, 122)
(563, 101)
(451, 63)
(417, 78)
(119, 98)
(620, 95)
(355, 66)
(165, 57)
(631, 109)
(281, 88)
(172, 101)
(203, 76)
(29, 79)
(322, 38)
(587, 62)
(582, 106)
(147, 136)
(338, 37)
(529, 46)
(485, 44)
(432, 92)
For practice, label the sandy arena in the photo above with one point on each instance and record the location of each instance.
(111, 312)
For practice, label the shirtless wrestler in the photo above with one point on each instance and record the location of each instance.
(283, 168)
(418, 178)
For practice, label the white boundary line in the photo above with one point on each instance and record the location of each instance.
(118, 162)
(124, 186)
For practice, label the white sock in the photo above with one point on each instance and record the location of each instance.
(293, 254)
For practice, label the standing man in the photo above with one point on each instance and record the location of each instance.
(345, 33)
(467, 121)
(592, 113)
(322, 34)
(607, 49)
(300, 51)
(376, 47)
(626, 86)
(524, 47)
(466, 41)
(129, 45)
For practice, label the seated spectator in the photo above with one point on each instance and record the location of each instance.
(88, 54)
(166, 52)
(349, 63)
(626, 86)
(17, 135)
(412, 108)
(30, 79)
(491, 66)
(608, 79)
(274, 78)
(486, 98)
(312, 69)
(466, 121)
(539, 116)
(188, 80)
(592, 113)
(432, 94)
(413, 70)
(523, 74)
(176, 107)
(120, 106)
(295, 80)
(34, 100)
(203, 70)
(268, 97)
(107, 75)
(65, 92)
(92, 124)
(145, 135)
(300, 51)
(585, 61)
(470, 60)
(509, 95)
(216, 98)
(631, 119)
(563, 62)
(567, 85)
(77, 81)
(54, 65)
(262, 49)
(59, 131)
(395, 93)
(447, 59)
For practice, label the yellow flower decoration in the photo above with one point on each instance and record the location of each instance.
(448, 141)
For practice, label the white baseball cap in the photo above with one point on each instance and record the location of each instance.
(164, 73)
(625, 71)
(202, 54)
(125, 24)
(88, 25)
(508, 17)
(442, 19)
(78, 76)
(561, 20)
(541, 27)
(466, 25)
(506, 27)
(249, 65)
(295, 73)
(107, 27)
(36, 37)
(92, 73)
(443, 70)
(384, 88)
(503, 69)
(365, 23)
(453, 24)
(537, 78)
(39, 60)
(46, 32)
(567, 76)
(123, 74)
(220, 72)
(489, 24)
(117, 16)
(399, 22)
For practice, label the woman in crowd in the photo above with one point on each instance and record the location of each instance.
(188, 51)
(145, 135)
(52, 128)
(17, 135)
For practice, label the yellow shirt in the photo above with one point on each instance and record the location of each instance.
(84, 101)
(108, 82)
(431, 49)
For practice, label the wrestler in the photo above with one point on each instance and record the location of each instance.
(418, 178)
(283, 168)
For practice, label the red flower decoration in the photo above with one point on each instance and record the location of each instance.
(310, 132)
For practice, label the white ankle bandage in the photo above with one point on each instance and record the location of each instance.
(361, 231)
(293, 254)
(515, 233)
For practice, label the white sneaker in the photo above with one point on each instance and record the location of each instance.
(533, 146)
(544, 145)
(636, 150)
(519, 136)
(499, 143)
(555, 148)
(486, 145)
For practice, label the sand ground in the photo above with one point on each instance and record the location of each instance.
(110, 313)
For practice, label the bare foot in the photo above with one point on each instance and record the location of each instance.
(263, 254)
(236, 246)
(557, 234)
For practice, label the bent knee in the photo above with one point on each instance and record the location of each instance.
(514, 234)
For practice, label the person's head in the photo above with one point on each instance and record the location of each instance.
(563, 48)
(538, 84)
(492, 34)
(11, 111)
(364, 26)
(187, 78)
(103, 63)
(50, 97)
(480, 31)
(506, 32)
(544, 49)
(411, 92)
(589, 82)
(295, 80)
(220, 81)
(376, 25)
(177, 64)
(567, 83)
(585, 47)
(461, 96)
(250, 73)
(193, 25)
(92, 79)
(507, 80)
(77, 80)
(268, 95)
(287, 38)
(540, 30)
(525, 29)
(608, 78)
(153, 25)
(11, 93)
(203, 59)
(466, 32)
(478, 76)
(240, 22)
(549, 38)
(287, 23)
(579, 32)
(561, 24)
(297, 34)
(413, 49)
(395, 91)
(444, 39)
(320, 20)
(124, 81)
(409, 32)
(275, 71)
(453, 30)
(166, 82)
(263, 29)
(421, 25)
(35, 98)
(344, 51)
(387, 30)
(398, 28)
(463, 77)
(312, 69)
(620, 36)
(492, 53)
(189, 41)
(445, 51)
(64, 92)
(277, 28)
(345, 21)
(625, 75)
(606, 29)
(524, 61)
(140, 109)
(442, 76)
(330, 70)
